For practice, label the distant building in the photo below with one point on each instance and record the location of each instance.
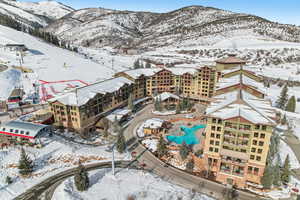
(129, 50)
(16, 95)
(26, 130)
(229, 62)
(16, 47)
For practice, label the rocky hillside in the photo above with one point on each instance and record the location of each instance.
(186, 27)
(32, 14)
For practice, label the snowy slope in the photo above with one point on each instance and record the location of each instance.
(34, 14)
(50, 9)
(185, 27)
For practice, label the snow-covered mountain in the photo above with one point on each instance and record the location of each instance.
(34, 14)
(185, 27)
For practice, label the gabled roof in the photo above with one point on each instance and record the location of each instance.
(166, 95)
(231, 60)
(240, 79)
(82, 95)
(242, 104)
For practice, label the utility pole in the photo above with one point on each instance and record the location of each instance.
(113, 160)
(112, 63)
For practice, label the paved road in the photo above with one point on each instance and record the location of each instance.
(172, 174)
(51, 183)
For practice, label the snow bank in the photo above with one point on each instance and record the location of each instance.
(126, 183)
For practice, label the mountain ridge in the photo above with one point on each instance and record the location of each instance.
(100, 27)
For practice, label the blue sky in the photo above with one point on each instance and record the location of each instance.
(287, 11)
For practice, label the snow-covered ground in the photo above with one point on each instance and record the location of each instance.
(286, 150)
(57, 155)
(127, 183)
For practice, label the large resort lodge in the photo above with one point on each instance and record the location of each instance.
(240, 121)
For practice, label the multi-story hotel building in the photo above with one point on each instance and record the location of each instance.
(81, 108)
(240, 124)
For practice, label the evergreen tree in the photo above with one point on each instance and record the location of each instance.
(283, 98)
(105, 124)
(25, 164)
(184, 151)
(276, 175)
(190, 165)
(121, 143)
(81, 178)
(285, 174)
(178, 110)
(148, 65)
(130, 102)
(161, 147)
(283, 120)
(8, 180)
(136, 64)
(267, 179)
(116, 125)
(291, 105)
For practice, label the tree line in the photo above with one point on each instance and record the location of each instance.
(37, 32)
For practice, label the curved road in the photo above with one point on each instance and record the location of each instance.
(53, 182)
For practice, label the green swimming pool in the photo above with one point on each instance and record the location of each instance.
(189, 136)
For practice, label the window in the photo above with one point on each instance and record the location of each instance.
(251, 157)
(214, 120)
(255, 134)
(27, 133)
(253, 150)
(213, 128)
(3, 129)
(250, 168)
(22, 132)
(217, 143)
(219, 129)
(211, 142)
(212, 135)
(261, 143)
(216, 150)
(257, 127)
(258, 158)
(264, 127)
(16, 131)
(211, 149)
(218, 136)
(262, 135)
(259, 151)
(11, 130)
(254, 142)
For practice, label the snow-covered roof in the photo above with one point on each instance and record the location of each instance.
(242, 104)
(118, 114)
(22, 129)
(153, 123)
(136, 73)
(166, 95)
(82, 95)
(240, 79)
(237, 68)
(231, 60)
